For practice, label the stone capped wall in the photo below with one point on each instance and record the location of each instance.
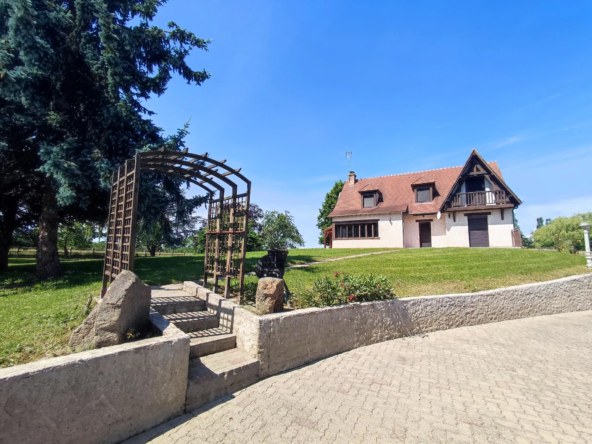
(97, 396)
(286, 340)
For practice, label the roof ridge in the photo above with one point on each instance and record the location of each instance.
(413, 172)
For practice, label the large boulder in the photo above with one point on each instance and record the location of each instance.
(125, 307)
(270, 295)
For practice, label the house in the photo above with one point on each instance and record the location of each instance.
(467, 206)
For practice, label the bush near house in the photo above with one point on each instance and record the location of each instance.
(345, 289)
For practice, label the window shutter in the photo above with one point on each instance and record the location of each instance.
(369, 201)
(423, 194)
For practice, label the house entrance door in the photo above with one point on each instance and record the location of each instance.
(478, 231)
(425, 234)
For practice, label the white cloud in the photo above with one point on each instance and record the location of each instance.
(508, 141)
(527, 214)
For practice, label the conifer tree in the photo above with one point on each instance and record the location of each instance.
(75, 76)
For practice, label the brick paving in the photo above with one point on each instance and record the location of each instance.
(524, 381)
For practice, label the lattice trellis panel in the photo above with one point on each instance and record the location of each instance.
(226, 236)
(121, 229)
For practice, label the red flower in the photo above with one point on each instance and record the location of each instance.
(336, 274)
(343, 272)
(342, 285)
(351, 297)
(397, 284)
(378, 287)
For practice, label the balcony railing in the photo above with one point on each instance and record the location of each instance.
(479, 198)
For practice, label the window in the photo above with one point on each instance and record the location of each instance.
(368, 200)
(423, 194)
(357, 230)
(475, 184)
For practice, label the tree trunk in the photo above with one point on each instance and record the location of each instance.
(4, 249)
(152, 251)
(48, 260)
(7, 226)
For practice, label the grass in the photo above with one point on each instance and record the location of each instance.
(37, 318)
(449, 270)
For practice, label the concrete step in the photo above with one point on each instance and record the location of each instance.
(193, 320)
(178, 303)
(214, 376)
(213, 340)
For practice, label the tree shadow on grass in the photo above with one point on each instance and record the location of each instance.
(152, 271)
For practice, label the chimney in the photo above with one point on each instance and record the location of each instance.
(352, 179)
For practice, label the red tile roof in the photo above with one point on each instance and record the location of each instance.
(397, 192)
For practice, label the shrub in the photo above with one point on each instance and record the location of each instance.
(344, 289)
(563, 233)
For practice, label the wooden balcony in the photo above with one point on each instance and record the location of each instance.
(480, 199)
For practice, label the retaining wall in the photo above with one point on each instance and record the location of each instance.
(286, 340)
(97, 396)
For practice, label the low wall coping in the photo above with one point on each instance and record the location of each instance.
(97, 396)
(493, 292)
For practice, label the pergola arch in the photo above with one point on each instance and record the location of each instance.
(228, 216)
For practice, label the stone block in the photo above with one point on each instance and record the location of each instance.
(270, 295)
(125, 307)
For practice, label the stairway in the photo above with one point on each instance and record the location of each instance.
(216, 367)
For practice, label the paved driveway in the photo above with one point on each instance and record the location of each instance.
(517, 381)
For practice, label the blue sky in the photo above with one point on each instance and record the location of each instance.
(405, 86)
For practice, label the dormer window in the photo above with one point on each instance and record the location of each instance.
(424, 189)
(370, 198)
(423, 194)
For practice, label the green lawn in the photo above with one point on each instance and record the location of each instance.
(36, 318)
(449, 270)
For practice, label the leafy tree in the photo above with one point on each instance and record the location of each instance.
(563, 233)
(323, 220)
(256, 214)
(254, 241)
(77, 235)
(25, 237)
(151, 237)
(75, 76)
(539, 223)
(198, 241)
(278, 231)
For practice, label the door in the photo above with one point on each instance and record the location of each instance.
(425, 234)
(478, 232)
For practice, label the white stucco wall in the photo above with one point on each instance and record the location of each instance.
(446, 232)
(412, 231)
(500, 231)
(390, 231)
(457, 232)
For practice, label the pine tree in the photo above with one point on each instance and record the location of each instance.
(323, 220)
(74, 79)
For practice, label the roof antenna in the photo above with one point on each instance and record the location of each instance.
(348, 155)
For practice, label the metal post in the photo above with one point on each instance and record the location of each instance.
(586, 227)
